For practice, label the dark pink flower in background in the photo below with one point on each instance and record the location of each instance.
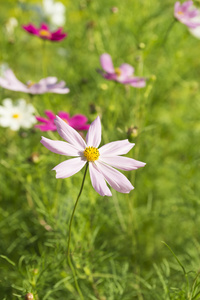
(44, 32)
(186, 13)
(45, 85)
(78, 122)
(123, 74)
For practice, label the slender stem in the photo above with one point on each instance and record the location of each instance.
(69, 238)
(168, 31)
(44, 70)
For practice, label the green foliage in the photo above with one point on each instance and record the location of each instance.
(117, 244)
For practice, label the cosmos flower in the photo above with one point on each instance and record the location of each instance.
(16, 116)
(44, 32)
(186, 13)
(102, 161)
(78, 122)
(123, 74)
(45, 85)
(55, 12)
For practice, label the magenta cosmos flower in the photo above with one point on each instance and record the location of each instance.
(78, 122)
(102, 161)
(44, 32)
(186, 13)
(45, 85)
(123, 74)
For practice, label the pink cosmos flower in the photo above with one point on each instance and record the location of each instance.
(102, 161)
(45, 85)
(44, 32)
(186, 13)
(78, 122)
(123, 74)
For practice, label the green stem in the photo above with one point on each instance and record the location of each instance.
(69, 238)
(44, 70)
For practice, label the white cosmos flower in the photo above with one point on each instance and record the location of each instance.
(102, 161)
(16, 116)
(55, 11)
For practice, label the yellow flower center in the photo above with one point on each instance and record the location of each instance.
(180, 13)
(118, 71)
(44, 33)
(91, 153)
(15, 116)
(65, 121)
(30, 83)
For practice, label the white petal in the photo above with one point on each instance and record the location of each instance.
(69, 134)
(69, 167)
(98, 181)
(116, 148)
(93, 137)
(60, 147)
(122, 163)
(115, 179)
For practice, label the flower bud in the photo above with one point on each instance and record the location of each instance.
(29, 296)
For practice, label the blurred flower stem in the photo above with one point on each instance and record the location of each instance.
(44, 67)
(69, 237)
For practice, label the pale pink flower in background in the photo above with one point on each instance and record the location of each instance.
(196, 31)
(122, 74)
(186, 13)
(102, 161)
(78, 121)
(45, 85)
(16, 116)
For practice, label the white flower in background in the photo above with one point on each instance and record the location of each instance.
(10, 25)
(55, 11)
(16, 116)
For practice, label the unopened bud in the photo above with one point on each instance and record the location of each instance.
(132, 131)
(114, 9)
(29, 296)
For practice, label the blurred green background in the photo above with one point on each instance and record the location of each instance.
(117, 244)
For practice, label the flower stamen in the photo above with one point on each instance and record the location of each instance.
(118, 71)
(44, 33)
(15, 116)
(91, 153)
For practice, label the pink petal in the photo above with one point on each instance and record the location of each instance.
(93, 137)
(78, 119)
(60, 147)
(106, 63)
(14, 83)
(46, 127)
(58, 36)
(44, 26)
(139, 83)
(122, 163)
(31, 29)
(69, 167)
(65, 116)
(59, 90)
(127, 70)
(50, 115)
(176, 6)
(115, 179)
(48, 80)
(41, 119)
(98, 181)
(69, 134)
(116, 148)
(37, 88)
